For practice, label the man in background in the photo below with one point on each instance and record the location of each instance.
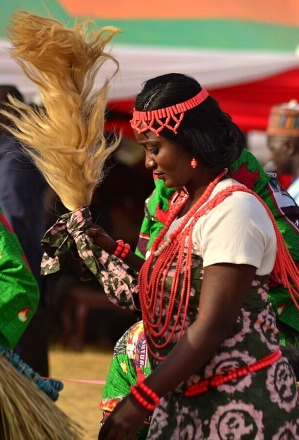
(21, 198)
(283, 143)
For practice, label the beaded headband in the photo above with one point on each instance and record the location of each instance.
(284, 119)
(148, 118)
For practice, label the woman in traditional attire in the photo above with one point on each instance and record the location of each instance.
(211, 332)
(212, 339)
(130, 361)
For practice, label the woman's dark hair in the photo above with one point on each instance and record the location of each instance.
(205, 131)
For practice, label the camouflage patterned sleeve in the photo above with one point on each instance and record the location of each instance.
(119, 281)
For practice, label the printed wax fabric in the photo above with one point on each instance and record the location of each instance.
(130, 363)
(243, 408)
(19, 293)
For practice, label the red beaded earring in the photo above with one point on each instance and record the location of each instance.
(194, 163)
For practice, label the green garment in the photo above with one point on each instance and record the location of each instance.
(19, 292)
(130, 362)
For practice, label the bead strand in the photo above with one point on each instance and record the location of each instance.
(220, 379)
(148, 391)
(189, 215)
(125, 251)
(140, 399)
(153, 280)
(153, 275)
(122, 249)
(119, 246)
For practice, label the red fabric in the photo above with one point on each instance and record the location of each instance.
(285, 180)
(248, 104)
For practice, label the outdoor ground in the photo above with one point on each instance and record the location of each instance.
(80, 400)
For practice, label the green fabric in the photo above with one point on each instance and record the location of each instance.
(130, 361)
(249, 171)
(199, 33)
(156, 208)
(121, 376)
(129, 364)
(19, 292)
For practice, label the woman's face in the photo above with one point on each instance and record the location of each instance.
(167, 160)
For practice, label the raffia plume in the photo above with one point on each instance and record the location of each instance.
(65, 139)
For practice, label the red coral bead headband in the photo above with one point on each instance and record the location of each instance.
(147, 119)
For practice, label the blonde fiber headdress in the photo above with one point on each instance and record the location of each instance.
(65, 138)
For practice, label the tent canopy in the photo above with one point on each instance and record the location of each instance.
(244, 53)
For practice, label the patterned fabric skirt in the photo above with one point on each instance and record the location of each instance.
(262, 406)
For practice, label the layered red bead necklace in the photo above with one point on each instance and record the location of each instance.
(152, 277)
(159, 315)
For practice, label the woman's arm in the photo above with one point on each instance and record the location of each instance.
(224, 289)
(223, 292)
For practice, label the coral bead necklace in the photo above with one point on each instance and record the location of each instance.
(153, 274)
(165, 314)
(160, 244)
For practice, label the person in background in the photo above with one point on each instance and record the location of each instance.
(212, 340)
(21, 197)
(283, 143)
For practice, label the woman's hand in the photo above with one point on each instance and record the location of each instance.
(125, 421)
(104, 241)
(101, 238)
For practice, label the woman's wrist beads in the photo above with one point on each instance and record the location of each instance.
(122, 249)
(145, 396)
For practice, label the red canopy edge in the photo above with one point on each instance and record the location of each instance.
(248, 104)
